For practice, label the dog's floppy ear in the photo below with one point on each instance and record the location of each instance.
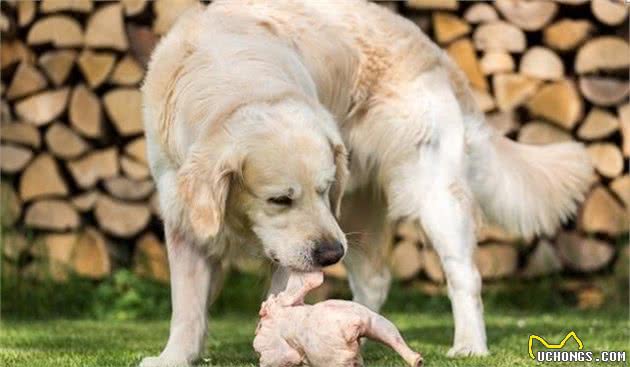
(340, 155)
(203, 182)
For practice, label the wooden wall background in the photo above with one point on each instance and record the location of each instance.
(76, 191)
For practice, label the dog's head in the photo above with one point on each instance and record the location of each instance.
(278, 170)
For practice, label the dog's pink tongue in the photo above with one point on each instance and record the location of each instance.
(299, 284)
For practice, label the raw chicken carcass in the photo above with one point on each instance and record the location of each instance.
(325, 334)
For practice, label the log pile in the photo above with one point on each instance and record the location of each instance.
(541, 76)
(73, 161)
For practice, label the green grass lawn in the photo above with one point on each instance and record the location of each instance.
(424, 320)
(124, 343)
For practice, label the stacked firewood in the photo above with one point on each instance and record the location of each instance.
(76, 189)
(543, 72)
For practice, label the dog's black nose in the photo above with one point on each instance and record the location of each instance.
(327, 253)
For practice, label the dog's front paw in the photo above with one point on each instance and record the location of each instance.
(468, 350)
(160, 361)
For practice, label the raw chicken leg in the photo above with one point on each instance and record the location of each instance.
(325, 334)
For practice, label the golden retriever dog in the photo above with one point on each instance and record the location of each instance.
(261, 115)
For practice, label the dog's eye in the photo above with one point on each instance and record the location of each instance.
(281, 200)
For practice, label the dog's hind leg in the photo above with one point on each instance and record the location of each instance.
(364, 221)
(192, 275)
(424, 178)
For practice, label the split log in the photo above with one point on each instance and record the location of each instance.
(154, 204)
(84, 254)
(124, 108)
(558, 102)
(598, 124)
(606, 158)
(138, 150)
(133, 169)
(583, 254)
(542, 261)
(119, 218)
(603, 53)
(52, 215)
(128, 189)
(410, 230)
(406, 261)
(142, 41)
(13, 52)
(609, 12)
(133, 7)
(590, 297)
(5, 112)
(90, 257)
(567, 34)
(499, 36)
(85, 202)
(105, 28)
(5, 23)
(463, 53)
(337, 270)
(11, 206)
(480, 13)
(542, 63)
(42, 108)
(127, 72)
(85, 112)
(14, 158)
(59, 30)
(64, 142)
(42, 178)
(26, 10)
(494, 233)
(99, 164)
(503, 122)
(448, 27)
(572, 2)
(95, 66)
(602, 213)
(541, 133)
(432, 4)
(20, 133)
(603, 91)
(496, 261)
(14, 245)
(511, 90)
(26, 80)
(57, 250)
(621, 187)
(493, 62)
(167, 12)
(527, 15)
(624, 124)
(58, 64)
(150, 259)
(432, 266)
(53, 6)
(484, 100)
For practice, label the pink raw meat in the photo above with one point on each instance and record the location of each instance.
(325, 334)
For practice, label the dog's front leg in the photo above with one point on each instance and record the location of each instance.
(191, 273)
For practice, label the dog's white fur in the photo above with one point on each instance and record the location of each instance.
(247, 100)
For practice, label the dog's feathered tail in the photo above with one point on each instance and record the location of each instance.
(528, 189)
